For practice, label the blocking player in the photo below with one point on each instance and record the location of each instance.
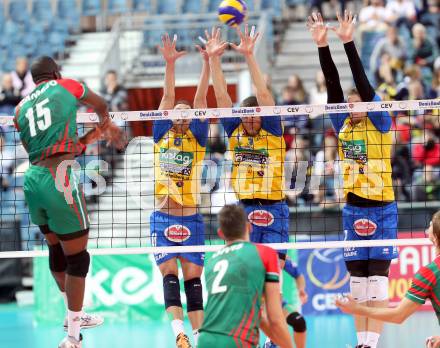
(237, 278)
(180, 148)
(46, 121)
(293, 317)
(425, 285)
(365, 142)
(257, 146)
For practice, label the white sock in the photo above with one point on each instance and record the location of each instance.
(177, 326)
(73, 324)
(372, 339)
(196, 334)
(362, 337)
(65, 300)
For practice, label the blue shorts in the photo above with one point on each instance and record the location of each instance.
(370, 224)
(168, 230)
(270, 223)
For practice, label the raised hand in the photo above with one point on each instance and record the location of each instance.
(347, 25)
(168, 49)
(203, 53)
(215, 46)
(247, 41)
(91, 137)
(318, 29)
(115, 136)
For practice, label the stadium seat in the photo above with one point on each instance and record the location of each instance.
(91, 7)
(18, 11)
(57, 40)
(42, 10)
(142, 5)
(117, 6)
(68, 10)
(192, 6)
(152, 36)
(169, 7)
(275, 5)
(213, 5)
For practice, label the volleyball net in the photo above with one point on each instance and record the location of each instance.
(119, 186)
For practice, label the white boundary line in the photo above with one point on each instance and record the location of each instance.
(286, 110)
(214, 248)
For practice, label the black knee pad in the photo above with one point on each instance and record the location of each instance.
(78, 264)
(297, 322)
(57, 260)
(379, 268)
(358, 268)
(194, 295)
(171, 291)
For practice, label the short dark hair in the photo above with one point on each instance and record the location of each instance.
(232, 221)
(111, 71)
(353, 91)
(249, 102)
(184, 102)
(44, 68)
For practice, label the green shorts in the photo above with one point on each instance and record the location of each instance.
(62, 208)
(211, 340)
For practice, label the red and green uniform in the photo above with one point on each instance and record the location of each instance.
(46, 120)
(235, 278)
(426, 284)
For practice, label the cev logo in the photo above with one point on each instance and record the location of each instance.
(316, 260)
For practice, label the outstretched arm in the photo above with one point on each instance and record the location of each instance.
(246, 48)
(170, 55)
(202, 89)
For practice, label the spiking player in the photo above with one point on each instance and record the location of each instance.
(365, 142)
(180, 147)
(257, 146)
(46, 120)
(237, 278)
(292, 315)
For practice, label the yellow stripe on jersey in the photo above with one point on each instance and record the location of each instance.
(366, 161)
(258, 165)
(178, 164)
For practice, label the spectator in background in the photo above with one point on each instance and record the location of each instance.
(316, 5)
(319, 123)
(9, 96)
(299, 93)
(394, 46)
(402, 12)
(6, 162)
(318, 94)
(374, 17)
(427, 152)
(412, 86)
(435, 89)
(114, 94)
(296, 123)
(21, 77)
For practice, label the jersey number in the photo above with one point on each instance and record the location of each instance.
(44, 119)
(220, 268)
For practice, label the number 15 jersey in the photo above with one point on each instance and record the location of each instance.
(46, 119)
(235, 278)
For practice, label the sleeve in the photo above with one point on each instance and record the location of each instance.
(338, 120)
(273, 125)
(332, 81)
(160, 128)
(269, 258)
(200, 130)
(15, 119)
(77, 89)
(422, 285)
(230, 124)
(380, 119)
(291, 268)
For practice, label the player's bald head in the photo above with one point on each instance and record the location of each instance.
(45, 68)
(233, 222)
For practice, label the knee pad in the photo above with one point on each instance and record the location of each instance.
(359, 289)
(379, 268)
(194, 295)
(297, 322)
(358, 268)
(377, 288)
(78, 264)
(171, 291)
(57, 260)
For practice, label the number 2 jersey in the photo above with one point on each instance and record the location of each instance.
(46, 119)
(235, 279)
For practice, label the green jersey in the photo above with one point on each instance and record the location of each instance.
(46, 119)
(426, 285)
(235, 278)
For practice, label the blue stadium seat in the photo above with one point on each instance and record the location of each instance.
(169, 7)
(213, 5)
(18, 11)
(275, 5)
(192, 6)
(57, 40)
(152, 37)
(91, 7)
(117, 6)
(142, 5)
(42, 10)
(66, 8)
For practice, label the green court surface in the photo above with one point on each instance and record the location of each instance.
(18, 330)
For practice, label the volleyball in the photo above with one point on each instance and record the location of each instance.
(232, 12)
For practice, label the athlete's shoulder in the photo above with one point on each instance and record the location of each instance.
(76, 88)
(270, 262)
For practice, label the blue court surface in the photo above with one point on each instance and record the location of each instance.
(18, 330)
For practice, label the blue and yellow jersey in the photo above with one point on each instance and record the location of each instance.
(258, 161)
(365, 151)
(178, 161)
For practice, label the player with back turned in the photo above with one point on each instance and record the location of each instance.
(238, 277)
(46, 121)
(365, 142)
